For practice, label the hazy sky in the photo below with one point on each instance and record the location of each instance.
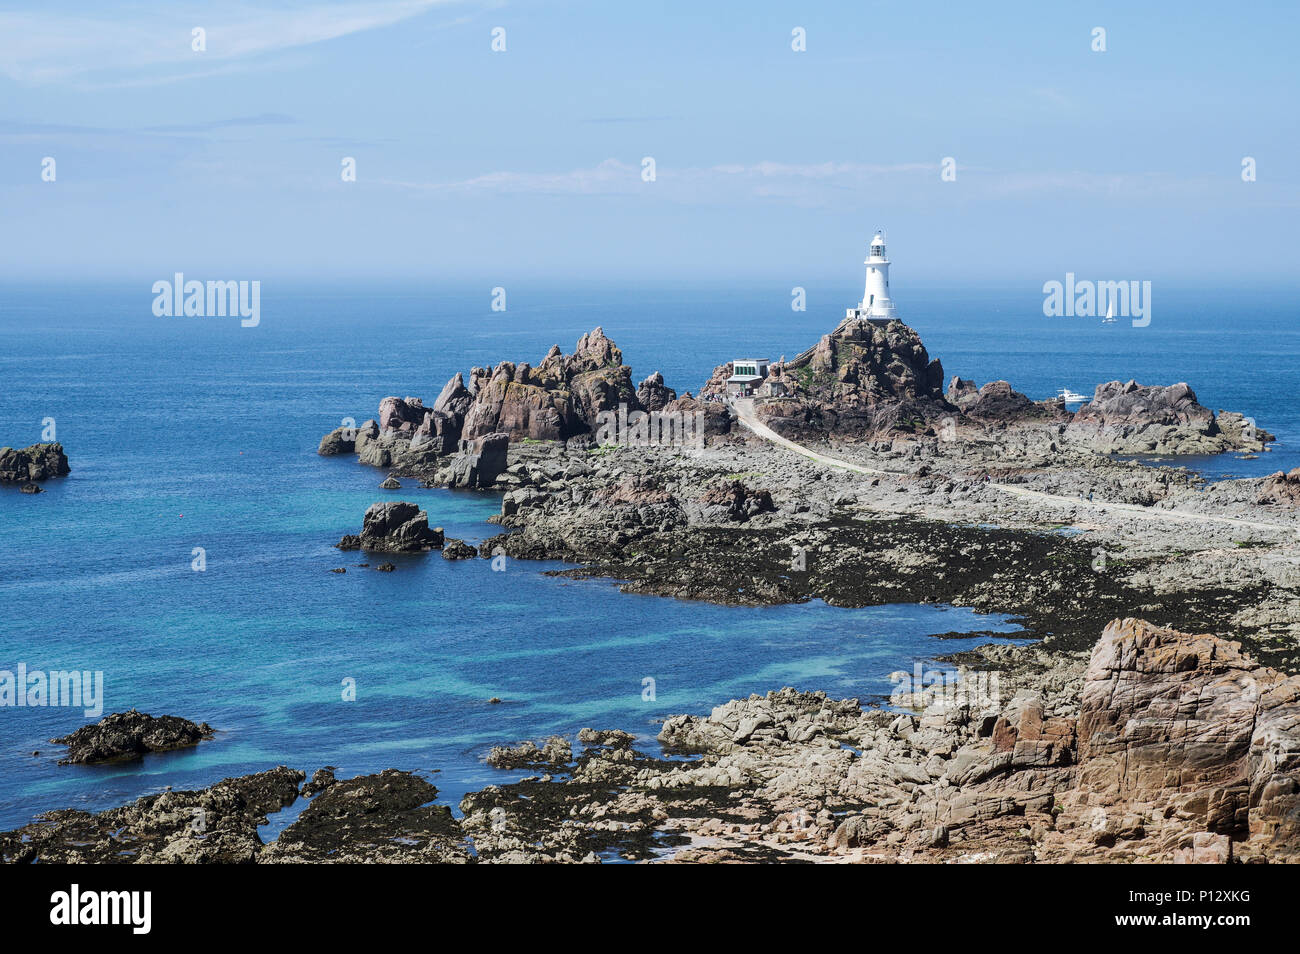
(225, 163)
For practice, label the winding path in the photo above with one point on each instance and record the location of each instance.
(744, 408)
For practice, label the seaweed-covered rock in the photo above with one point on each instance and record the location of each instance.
(458, 550)
(129, 735)
(213, 825)
(386, 817)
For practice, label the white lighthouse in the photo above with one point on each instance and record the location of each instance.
(876, 302)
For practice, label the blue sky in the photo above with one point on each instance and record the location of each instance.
(500, 165)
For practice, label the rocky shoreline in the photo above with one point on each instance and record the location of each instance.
(1115, 736)
(1160, 747)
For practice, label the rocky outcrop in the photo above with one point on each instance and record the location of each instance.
(1281, 488)
(458, 550)
(37, 462)
(1166, 747)
(130, 735)
(558, 399)
(863, 379)
(394, 527)
(998, 403)
(1193, 737)
(1130, 418)
(553, 753)
(214, 825)
(387, 818)
(733, 500)
(653, 394)
(341, 440)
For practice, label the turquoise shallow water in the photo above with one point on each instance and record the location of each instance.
(189, 433)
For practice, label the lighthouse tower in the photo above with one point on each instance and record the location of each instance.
(876, 302)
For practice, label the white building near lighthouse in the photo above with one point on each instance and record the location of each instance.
(876, 302)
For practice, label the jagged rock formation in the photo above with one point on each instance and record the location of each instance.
(553, 753)
(1193, 738)
(1130, 418)
(998, 403)
(37, 462)
(130, 735)
(557, 400)
(341, 440)
(394, 527)
(653, 394)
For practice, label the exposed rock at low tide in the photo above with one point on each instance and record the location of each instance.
(129, 735)
(394, 527)
(553, 752)
(1130, 418)
(382, 818)
(341, 440)
(37, 462)
(1166, 747)
(214, 825)
(1157, 746)
(455, 549)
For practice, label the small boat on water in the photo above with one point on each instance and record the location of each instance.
(1110, 314)
(1066, 396)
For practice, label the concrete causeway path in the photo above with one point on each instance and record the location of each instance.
(744, 408)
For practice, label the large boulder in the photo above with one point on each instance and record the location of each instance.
(37, 462)
(480, 461)
(341, 440)
(398, 526)
(653, 394)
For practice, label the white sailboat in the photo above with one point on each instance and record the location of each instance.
(1110, 314)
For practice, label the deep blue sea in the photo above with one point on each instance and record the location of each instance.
(189, 432)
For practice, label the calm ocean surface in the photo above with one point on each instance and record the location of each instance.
(187, 433)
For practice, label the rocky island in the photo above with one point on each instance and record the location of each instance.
(30, 465)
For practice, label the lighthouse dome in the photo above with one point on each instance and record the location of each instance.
(878, 238)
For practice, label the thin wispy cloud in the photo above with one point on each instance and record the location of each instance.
(798, 181)
(811, 183)
(142, 45)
